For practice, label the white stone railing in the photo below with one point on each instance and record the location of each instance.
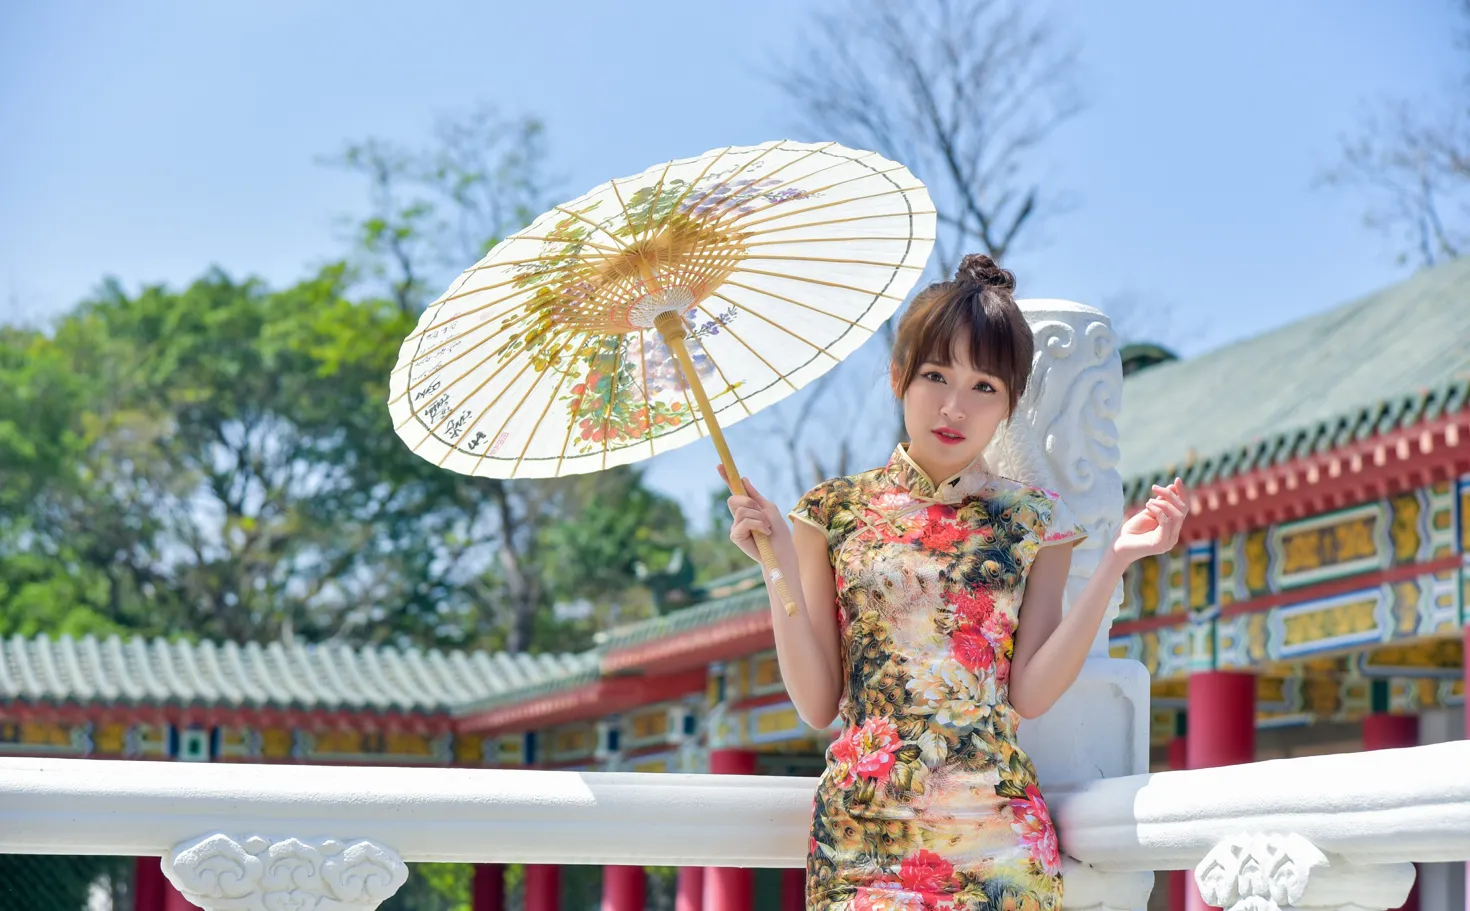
(1317, 832)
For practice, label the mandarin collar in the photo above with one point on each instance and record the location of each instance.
(905, 473)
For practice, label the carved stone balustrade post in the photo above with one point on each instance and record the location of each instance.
(1063, 438)
(1282, 872)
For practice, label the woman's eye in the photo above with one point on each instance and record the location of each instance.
(984, 386)
(934, 376)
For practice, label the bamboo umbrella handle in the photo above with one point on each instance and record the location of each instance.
(671, 327)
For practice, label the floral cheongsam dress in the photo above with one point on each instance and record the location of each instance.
(927, 803)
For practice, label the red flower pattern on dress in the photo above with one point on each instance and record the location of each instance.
(927, 873)
(972, 650)
(887, 896)
(941, 673)
(866, 752)
(1033, 825)
(972, 610)
(943, 536)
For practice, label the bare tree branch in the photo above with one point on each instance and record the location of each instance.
(963, 92)
(1414, 161)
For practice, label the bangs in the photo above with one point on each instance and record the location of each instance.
(987, 327)
(988, 343)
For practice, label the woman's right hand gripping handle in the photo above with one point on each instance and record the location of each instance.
(806, 644)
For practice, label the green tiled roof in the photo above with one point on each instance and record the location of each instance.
(577, 670)
(696, 617)
(731, 595)
(1385, 361)
(158, 672)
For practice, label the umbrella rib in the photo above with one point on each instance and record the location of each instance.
(736, 173)
(561, 454)
(612, 395)
(560, 240)
(731, 387)
(838, 221)
(488, 304)
(413, 412)
(470, 312)
(531, 435)
(720, 217)
(529, 362)
(807, 176)
(733, 334)
(794, 303)
(787, 213)
(763, 318)
(842, 262)
(818, 281)
(689, 187)
(831, 240)
(647, 405)
(582, 218)
(416, 383)
(646, 231)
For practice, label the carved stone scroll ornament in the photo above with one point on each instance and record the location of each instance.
(1280, 872)
(221, 873)
(1064, 436)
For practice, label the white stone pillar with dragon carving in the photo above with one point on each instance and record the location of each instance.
(1063, 437)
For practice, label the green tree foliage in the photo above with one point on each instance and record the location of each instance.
(219, 461)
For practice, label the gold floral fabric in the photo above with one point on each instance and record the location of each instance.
(927, 803)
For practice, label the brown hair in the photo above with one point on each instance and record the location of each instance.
(977, 304)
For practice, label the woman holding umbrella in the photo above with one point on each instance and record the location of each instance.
(929, 619)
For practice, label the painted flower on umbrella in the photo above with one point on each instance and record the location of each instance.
(1033, 824)
(865, 752)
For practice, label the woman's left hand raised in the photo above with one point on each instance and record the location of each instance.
(1155, 528)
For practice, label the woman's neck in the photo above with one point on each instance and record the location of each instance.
(937, 472)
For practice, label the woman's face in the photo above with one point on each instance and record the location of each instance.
(951, 413)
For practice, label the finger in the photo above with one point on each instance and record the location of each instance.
(1175, 512)
(1169, 494)
(750, 489)
(748, 527)
(753, 514)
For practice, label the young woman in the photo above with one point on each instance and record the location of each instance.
(930, 620)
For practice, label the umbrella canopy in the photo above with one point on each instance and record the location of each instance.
(755, 268)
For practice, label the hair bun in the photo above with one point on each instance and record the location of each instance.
(982, 270)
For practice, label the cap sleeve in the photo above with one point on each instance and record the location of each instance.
(1059, 525)
(814, 507)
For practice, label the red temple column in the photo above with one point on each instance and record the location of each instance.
(543, 887)
(690, 896)
(623, 888)
(174, 900)
(1222, 731)
(1178, 761)
(152, 891)
(729, 888)
(487, 891)
(793, 889)
(1385, 731)
(148, 884)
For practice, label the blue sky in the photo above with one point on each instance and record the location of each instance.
(149, 139)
